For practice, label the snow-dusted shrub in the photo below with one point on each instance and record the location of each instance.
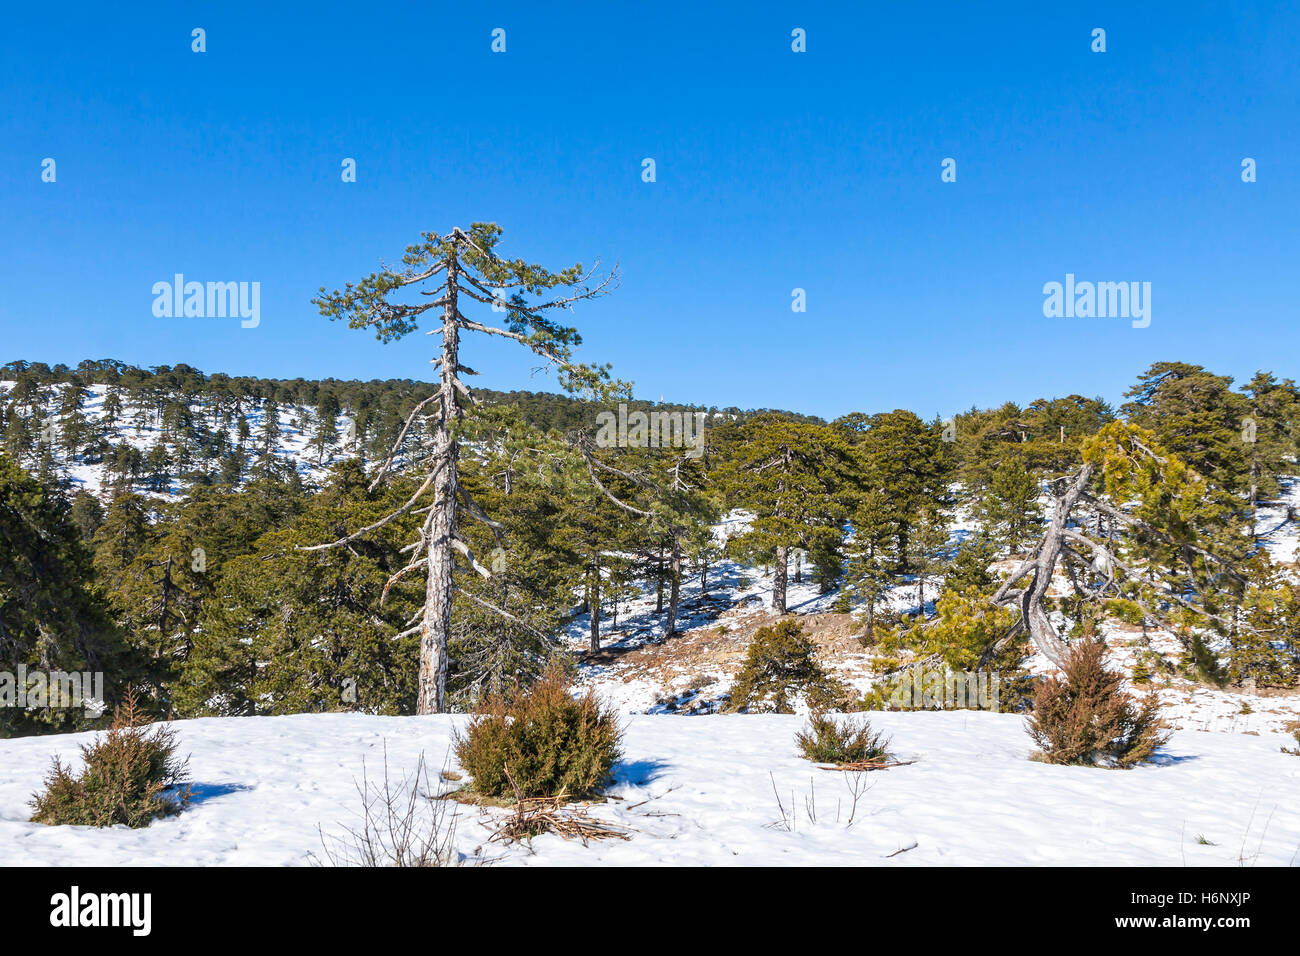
(540, 741)
(1087, 718)
(850, 740)
(781, 664)
(1293, 728)
(131, 775)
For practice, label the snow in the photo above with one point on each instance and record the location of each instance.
(93, 477)
(700, 791)
(1280, 535)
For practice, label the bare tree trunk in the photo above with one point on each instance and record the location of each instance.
(779, 571)
(593, 599)
(440, 582)
(674, 590)
(658, 584)
(163, 608)
(1040, 626)
(1254, 496)
(1033, 616)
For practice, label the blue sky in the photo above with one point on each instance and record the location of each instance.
(775, 170)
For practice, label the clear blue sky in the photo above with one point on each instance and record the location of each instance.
(776, 170)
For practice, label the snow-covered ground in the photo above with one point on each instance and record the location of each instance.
(705, 791)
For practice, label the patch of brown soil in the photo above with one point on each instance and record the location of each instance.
(698, 658)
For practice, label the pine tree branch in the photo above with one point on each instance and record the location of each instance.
(347, 539)
(398, 575)
(496, 610)
(609, 494)
(401, 437)
(476, 512)
(1129, 521)
(460, 546)
(1137, 576)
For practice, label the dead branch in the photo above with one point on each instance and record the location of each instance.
(864, 765)
(348, 539)
(488, 606)
(533, 816)
(401, 437)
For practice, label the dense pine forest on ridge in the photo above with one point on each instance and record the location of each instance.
(156, 522)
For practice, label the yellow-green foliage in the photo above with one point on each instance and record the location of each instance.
(543, 739)
(884, 664)
(878, 697)
(965, 625)
(1170, 495)
(1130, 612)
(781, 665)
(127, 775)
(1142, 672)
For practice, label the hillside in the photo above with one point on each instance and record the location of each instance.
(199, 422)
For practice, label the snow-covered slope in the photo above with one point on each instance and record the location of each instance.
(138, 427)
(705, 791)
